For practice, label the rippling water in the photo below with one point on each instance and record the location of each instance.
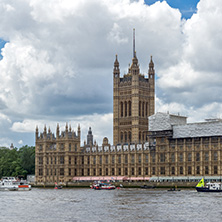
(75, 205)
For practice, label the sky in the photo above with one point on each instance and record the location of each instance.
(57, 67)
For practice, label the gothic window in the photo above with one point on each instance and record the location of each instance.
(119, 159)
(139, 136)
(82, 172)
(82, 159)
(61, 171)
(198, 169)
(119, 171)
(133, 171)
(94, 172)
(146, 170)
(181, 170)
(61, 159)
(129, 108)
(162, 170)
(143, 109)
(215, 169)
(70, 160)
(132, 158)
(88, 160)
(189, 170)
(181, 157)
(146, 158)
(125, 108)
(206, 156)
(215, 155)
(139, 108)
(139, 171)
(40, 172)
(70, 146)
(126, 171)
(172, 157)
(189, 157)
(146, 109)
(206, 170)
(121, 109)
(106, 159)
(197, 156)
(106, 171)
(88, 172)
(121, 135)
(126, 158)
(162, 157)
(70, 171)
(153, 170)
(94, 160)
(173, 170)
(113, 171)
(139, 158)
(129, 136)
(100, 160)
(125, 136)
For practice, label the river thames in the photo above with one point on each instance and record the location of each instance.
(83, 205)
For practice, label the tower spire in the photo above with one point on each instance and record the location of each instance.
(134, 45)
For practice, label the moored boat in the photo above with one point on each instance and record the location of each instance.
(208, 187)
(103, 186)
(12, 184)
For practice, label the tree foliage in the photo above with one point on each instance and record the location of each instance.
(17, 162)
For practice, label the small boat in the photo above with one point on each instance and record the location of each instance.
(208, 187)
(147, 187)
(174, 189)
(12, 184)
(103, 186)
(57, 186)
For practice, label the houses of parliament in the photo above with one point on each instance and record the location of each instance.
(146, 145)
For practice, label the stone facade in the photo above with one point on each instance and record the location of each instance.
(133, 102)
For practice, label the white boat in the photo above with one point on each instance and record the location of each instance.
(12, 184)
(103, 186)
(208, 187)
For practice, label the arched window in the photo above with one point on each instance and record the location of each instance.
(139, 136)
(143, 109)
(125, 108)
(129, 108)
(139, 108)
(125, 136)
(121, 109)
(146, 109)
(129, 136)
(121, 136)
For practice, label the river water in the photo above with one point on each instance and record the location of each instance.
(85, 205)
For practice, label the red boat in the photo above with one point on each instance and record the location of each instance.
(103, 186)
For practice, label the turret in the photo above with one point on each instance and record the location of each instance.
(151, 71)
(116, 71)
(36, 132)
(57, 131)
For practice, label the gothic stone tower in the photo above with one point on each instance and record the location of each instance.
(133, 102)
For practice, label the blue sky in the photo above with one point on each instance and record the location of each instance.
(57, 66)
(186, 7)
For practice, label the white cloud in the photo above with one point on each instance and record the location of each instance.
(20, 142)
(57, 66)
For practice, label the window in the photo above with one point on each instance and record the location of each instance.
(139, 170)
(113, 171)
(125, 136)
(82, 160)
(206, 170)
(173, 170)
(126, 158)
(61, 159)
(75, 147)
(198, 170)
(215, 155)
(162, 157)
(82, 172)
(75, 172)
(88, 160)
(94, 172)
(47, 160)
(113, 159)
(61, 171)
(189, 170)
(88, 172)
(153, 171)
(146, 158)
(70, 172)
(106, 171)
(94, 160)
(146, 170)
(70, 146)
(100, 171)
(132, 159)
(119, 171)
(121, 109)
(107, 160)
(75, 160)
(172, 157)
(197, 156)
(133, 171)
(40, 172)
(129, 108)
(206, 156)
(181, 157)
(100, 160)
(143, 109)
(126, 171)
(62, 146)
(215, 169)
(40, 160)
(40, 147)
(181, 170)
(139, 158)
(55, 160)
(129, 136)
(125, 108)
(55, 172)
(162, 170)
(119, 158)
(153, 155)
(121, 135)
(51, 161)
(70, 160)
(189, 157)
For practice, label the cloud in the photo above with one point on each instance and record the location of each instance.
(57, 66)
